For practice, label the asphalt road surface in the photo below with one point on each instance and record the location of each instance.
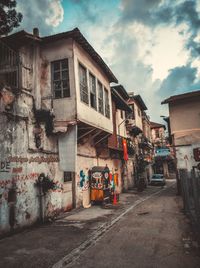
(154, 234)
(146, 229)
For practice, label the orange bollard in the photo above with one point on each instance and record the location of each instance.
(115, 199)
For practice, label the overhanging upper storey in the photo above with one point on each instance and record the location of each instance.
(76, 35)
(139, 101)
(120, 97)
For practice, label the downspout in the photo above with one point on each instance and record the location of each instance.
(120, 125)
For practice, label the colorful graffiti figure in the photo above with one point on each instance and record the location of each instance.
(84, 181)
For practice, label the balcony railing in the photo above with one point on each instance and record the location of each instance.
(115, 142)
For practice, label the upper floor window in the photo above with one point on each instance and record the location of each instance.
(83, 84)
(92, 85)
(107, 105)
(60, 79)
(100, 97)
(139, 112)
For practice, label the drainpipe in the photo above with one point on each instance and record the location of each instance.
(120, 125)
(12, 198)
(41, 197)
(41, 204)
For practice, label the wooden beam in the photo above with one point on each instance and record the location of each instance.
(85, 134)
(102, 139)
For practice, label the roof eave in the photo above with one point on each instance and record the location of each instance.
(76, 35)
(121, 102)
(122, 91)
(141, 102)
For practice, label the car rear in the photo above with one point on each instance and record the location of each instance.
(158, 179)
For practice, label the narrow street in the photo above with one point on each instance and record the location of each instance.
(99, 134)
(153, 234)
(144, 230)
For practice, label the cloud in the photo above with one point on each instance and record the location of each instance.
(45, 14)
(174, 56)
(147, 12)
(152, 46)
(187, 12)
(55, 13)
(180, 79)
(142, 43)
(155, 13)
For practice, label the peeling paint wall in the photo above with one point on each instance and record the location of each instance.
(64, 108)
(185, 128)
(21, 163)
(26, 150)
(185, 156)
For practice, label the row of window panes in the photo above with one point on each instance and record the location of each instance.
(93, 92)
(61, 89)
(60, 79)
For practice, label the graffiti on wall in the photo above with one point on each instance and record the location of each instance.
(16, 178)
(5, 166)
(10, 174)
(36, 159)
(84, 180)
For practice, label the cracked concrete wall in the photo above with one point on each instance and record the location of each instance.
(21, 163)
(21, 159)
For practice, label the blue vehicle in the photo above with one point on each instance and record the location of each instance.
(158, 179)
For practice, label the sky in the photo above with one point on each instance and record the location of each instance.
(152, 46)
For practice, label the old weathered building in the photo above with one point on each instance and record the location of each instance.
(55, 116)
(158, 134)
(59, 118)
(138, 125)
(121, 138)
